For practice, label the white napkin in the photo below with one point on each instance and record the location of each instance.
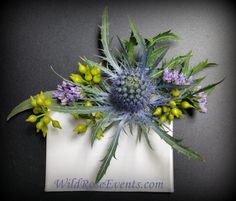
(72, 164)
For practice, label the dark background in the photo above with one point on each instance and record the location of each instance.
(35, 35)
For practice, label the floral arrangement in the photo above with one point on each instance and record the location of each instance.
(131, 86)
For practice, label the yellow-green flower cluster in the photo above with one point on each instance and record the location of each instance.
(41, 114)
(87, 75)
(174, 109)
(91, 120)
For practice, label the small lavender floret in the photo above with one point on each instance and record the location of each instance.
(176, 78)
(202, 101)
(67, 93)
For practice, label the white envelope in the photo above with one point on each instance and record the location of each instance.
(72, 164)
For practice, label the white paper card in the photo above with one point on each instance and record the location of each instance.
(72, 164)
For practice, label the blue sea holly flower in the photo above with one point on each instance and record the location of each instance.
(132, 88)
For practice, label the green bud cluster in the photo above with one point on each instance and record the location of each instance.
(87, 75)
(91, 120)
(41, 114)
(173, 110)
(167, 113)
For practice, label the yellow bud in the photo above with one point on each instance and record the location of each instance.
(175, 92)
(175, 111)
(81, 128)
(56, 124)
(37, 110)
(77, 78)
(96, 78)
(171, 117)
(186, 105)
(88, 104)
(98, 115)
(39, 100)
(44, 130)
(82, 68)
(95, 71)
(172, 103)
(39, 125)
(42, 96)
(33, 101)
(157, 111)
(47, 102)
(32, 118)
(100, 134)
(88, 77)
(163, 118)
(46, 119)
(165, 109)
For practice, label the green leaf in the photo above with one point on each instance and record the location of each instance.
(177, 61)
(202, 65)
(175, 145)
(79, 109)
(140, 40)
(165, 36)
(130, 45)
(124, 52)
(156, 55)
(111, 152)
(198, 80)
(106, 41)
(185, 68)
(24, 105)
(208, 89)
(98, 125)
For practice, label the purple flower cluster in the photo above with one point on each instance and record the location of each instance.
(67, 93)
(176, 78)
(202, 101)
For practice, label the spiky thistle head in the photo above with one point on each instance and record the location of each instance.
(131, 91)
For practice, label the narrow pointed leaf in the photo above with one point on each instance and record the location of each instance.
(180, 148)
(130, 46)
(185, 68)
(145, 133)
(78, 109)
(156, 55)
(208, 88)
(111, 152)
(177, 61)
(140, 40)
(202, 65)
(165, 36)
(106, 41)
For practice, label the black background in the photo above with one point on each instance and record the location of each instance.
(35, 35)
